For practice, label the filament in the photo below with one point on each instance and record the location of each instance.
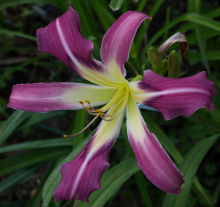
(83, 128)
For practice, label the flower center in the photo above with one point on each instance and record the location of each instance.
(117, 103)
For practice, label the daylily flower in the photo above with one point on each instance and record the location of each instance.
(117, 97)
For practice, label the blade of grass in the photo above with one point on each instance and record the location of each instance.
(192, 17)
(17, 177)
(141, 32)
(165, 37)
(189, 168)
(105, 17)
(213, 14)
(8, 71)
(141, 5)
(202, 51)
(77, 4)
(30, 158)
(39, 144)
(11, 33)
(40, 117)
(12, 123)
(35, 200)
(9, 3)
(192, 38)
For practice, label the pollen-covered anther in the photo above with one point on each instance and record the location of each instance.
(88, 102)
(97, 112)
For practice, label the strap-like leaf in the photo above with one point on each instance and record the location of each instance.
(189, 168)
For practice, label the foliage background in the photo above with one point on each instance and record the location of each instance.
(31, 145)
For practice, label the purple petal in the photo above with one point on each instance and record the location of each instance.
(62, 39)
(151, 157)
(117, 41)
(44, 97)
(82, 175)
(176, 96)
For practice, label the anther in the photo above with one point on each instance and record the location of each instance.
(81, 102)
(88, 102)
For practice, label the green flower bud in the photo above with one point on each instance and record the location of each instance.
(173, 65)
(137, 78)
(155, 59)
(165, 67)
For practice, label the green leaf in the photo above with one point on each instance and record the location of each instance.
(55, 176)
(191, 17)
(39, 117)
(210, 55)
(11, 33)
(10, 3)
(142, 31)
(30, 158)
(141, 5)
(213, 14)
(12, 123)
(45, 143)
(35, 200)
(84, 18)
(104, 14)
(111, 182)
(17, 177)
(116, 4)
(189, 168)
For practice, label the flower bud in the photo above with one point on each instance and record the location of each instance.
(137, 78)
(173, 65)
(155, 59)
(164, 68)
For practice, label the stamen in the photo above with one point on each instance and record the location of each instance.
(83, 128)
(116, 101)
